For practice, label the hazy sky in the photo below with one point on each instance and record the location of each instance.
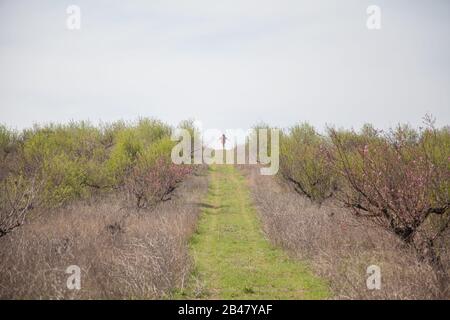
(228, 63)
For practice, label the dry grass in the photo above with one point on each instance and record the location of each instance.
(339, 246)
(122, 253)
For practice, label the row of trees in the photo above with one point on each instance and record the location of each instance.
(399, 179)
(49, 166)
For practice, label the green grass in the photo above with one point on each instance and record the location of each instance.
(232, 258)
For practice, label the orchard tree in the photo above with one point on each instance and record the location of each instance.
(401, 181)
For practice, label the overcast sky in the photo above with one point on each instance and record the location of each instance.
(229, 64)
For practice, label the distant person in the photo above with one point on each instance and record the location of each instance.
(223, 139)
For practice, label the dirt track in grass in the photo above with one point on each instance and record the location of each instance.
(232, 258)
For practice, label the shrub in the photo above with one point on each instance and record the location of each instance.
(8, 141)
(303, 162)
(9, 145)
(129, 143)
(75, 159)
(400, 182)
(154, 177)
(17, 195)
(196, 147)
(151, 130)
(62, 157)
(256, 130)
(123, 155)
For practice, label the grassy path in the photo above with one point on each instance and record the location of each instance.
(233, 259)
